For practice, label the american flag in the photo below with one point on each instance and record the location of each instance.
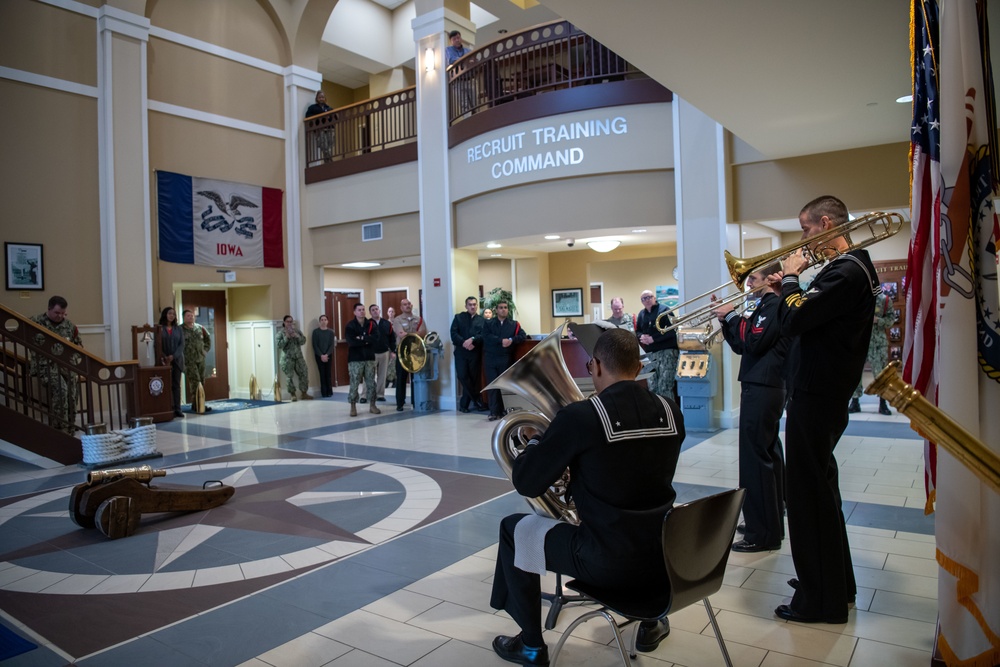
(923, 265)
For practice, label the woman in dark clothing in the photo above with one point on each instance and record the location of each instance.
(323, 341)
(172, 348)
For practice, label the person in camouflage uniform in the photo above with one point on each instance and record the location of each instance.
(878, 352)
(62, 385)
(197, 343)
(290, 341)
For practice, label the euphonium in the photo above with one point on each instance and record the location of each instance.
(541, 377)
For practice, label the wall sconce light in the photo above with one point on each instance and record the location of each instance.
(429, 59)
(603, 246)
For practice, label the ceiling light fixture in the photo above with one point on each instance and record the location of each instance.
(496, 255)
(361, 265)
(603, 246)
(638, 231)
(551, 237)
(493, 244)
(905, 99)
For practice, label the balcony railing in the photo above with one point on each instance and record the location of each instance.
(548, 57)
(375, 128)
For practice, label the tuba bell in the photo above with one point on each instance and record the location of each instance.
(412, 350)
(541, 377)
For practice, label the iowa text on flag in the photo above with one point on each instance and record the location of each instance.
(218, 223)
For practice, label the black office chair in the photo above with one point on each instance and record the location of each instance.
(697, 538)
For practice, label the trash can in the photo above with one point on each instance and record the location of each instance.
(696, 386)
(422, 401)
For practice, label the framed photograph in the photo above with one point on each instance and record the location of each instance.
(891, 290)
(24, 266)
(567, 302)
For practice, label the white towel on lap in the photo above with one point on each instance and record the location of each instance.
(529, 543)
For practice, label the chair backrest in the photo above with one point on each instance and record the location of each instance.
(697, 538)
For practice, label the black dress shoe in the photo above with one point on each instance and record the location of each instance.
(745, 547)
(480, 407)
(650, 635)
(855, 406)
(794, 583)
(512, 649)
(178, 413)
(883, 407)
(464, 410)
(493, 418)
(363, 400)
(399, 408)
(381, 399)
(741, 529)
(786, 612)
(208, 409)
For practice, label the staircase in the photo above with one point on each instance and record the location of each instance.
(107, 389)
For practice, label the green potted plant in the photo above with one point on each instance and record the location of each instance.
(495, 296)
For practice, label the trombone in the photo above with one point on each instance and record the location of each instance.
(817, 249)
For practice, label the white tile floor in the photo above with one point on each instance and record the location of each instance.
(445, 619)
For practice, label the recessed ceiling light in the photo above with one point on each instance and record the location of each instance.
(551, 237)
(638, 231)
(496, 255)
(905, 99)
(493, 244)
(361, 265)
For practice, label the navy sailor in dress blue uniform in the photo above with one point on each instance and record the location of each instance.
(467, 339)
(757, 338)
(832, 321)
(500, 335)
(621, 447)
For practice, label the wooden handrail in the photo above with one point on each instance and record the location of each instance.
(107, 388)
(366, 127)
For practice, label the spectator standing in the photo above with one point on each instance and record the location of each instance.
(405, 323)
(619, 317)
(197, 343)
(467, 339)
(390, 374)
(878, 351)
(63, 385)
(290, 341)
(385, 346)
(172, 352)
(500, 336)
(661, 348)
(455, 49)
(360, 334)
(323, 341)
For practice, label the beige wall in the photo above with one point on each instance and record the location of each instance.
(40, 38)
(48, 181)
(340, 244)
(250, 304)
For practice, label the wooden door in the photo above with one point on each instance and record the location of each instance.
(210, 312)
(393, 298)
(340, 309)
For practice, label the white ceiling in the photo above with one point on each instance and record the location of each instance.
(789, 77)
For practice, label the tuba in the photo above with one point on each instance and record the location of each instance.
(541, 377)
(412, 350)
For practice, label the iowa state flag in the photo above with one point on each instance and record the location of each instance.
(218, 223)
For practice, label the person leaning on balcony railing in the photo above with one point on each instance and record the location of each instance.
(455, 50)
(62, 385)
(324, 138)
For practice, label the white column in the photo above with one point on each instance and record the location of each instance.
(436, 229)
(701, 184)
(123, 163)
(300, 87)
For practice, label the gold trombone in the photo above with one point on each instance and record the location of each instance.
(816, 249)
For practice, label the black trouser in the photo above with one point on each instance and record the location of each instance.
(762, 463)
(468, 369)
(495, 366)
(401, 377)
(175, 385)
(820, 549)
(324, 375)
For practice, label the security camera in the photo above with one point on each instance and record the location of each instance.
(570, 243)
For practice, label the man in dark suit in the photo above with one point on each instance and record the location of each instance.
(621, 447)
(467, 339)
(500, 337)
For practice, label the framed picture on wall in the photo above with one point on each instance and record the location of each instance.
(24, 266)
(567, 302)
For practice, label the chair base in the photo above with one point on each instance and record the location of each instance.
(557, 601)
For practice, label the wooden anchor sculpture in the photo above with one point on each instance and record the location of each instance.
(114, 500)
